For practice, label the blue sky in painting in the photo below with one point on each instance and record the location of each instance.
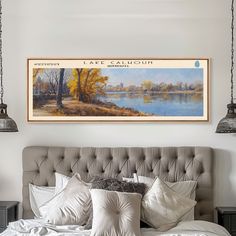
(133, 76)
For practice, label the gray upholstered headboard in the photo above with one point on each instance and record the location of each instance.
(170, 163)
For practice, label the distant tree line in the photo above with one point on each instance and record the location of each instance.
(149, 86)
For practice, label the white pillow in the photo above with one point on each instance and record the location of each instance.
(130, 180)
(39, 195)
(61, 182)
(162, 208)
(185, 188)
(71, 206)
(115, 213)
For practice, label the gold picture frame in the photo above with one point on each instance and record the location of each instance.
(118, 90)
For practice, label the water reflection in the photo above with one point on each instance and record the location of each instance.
(147, 99)
(165, 104)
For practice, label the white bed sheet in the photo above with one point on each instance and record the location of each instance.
(39, 228)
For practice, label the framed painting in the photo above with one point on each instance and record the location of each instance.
(118, 90)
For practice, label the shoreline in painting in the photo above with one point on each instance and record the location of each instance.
(72, 107)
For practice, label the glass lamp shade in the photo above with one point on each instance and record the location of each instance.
(228, 123)
(6, 123)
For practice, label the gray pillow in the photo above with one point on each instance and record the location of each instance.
(112, 184)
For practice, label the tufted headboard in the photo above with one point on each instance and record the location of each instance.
(169, 163)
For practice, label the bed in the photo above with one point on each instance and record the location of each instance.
(169, 163)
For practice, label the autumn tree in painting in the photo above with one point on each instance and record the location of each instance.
(85, 84)
(53, 80)
(147, 85)
(36, 72)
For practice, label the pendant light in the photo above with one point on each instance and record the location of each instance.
(6, 123)
(228, 123)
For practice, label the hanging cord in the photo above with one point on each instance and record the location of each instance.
(232, 53)
(1, 70)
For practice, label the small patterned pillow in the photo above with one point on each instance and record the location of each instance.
(112, 184)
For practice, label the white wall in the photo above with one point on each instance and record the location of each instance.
(124, 28)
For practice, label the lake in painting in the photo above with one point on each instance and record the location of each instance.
(159, 104)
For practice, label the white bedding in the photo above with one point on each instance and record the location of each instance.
(38, 228)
